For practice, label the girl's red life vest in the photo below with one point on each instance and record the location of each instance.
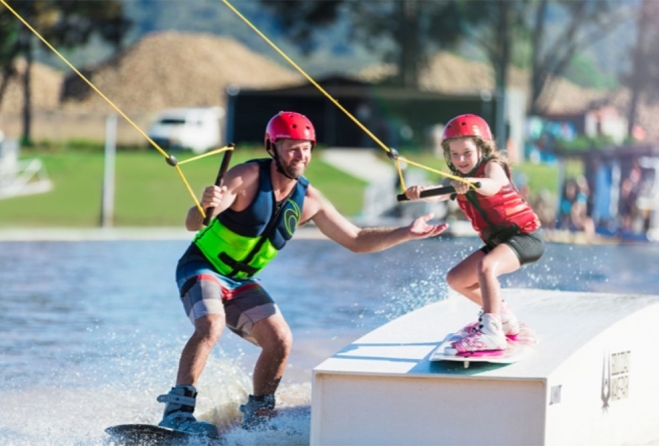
(497, 214)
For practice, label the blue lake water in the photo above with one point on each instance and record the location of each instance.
(90, 332)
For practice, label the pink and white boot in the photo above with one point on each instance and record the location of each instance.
(488, 336)
(509, 323)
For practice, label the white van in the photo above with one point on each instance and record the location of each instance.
(196, 129)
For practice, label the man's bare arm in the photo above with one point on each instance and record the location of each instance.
(222, 197)
(362, 240)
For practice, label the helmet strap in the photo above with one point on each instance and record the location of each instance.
(272, 151)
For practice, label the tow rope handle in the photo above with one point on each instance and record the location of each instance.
(226, 160)
(435, 191)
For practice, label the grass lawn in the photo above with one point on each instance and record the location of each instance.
(148, 191)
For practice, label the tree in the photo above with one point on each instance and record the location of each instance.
(644, 75)
(500, 25)
(9, 50)
(405, 32)
(577, 26)
(556, 31)
(64, 24)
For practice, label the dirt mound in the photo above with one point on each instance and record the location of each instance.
(451, 74)
(46, 84)
(173, 69)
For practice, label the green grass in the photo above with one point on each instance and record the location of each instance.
(148, 191)
(545, 176)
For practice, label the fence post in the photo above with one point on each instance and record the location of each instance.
(107, 202)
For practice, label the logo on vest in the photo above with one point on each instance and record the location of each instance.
(291, 217)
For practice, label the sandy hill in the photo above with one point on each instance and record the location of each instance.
(173, 69)
(46, 83)
(168, 69)
(451, 74)
(448, 71)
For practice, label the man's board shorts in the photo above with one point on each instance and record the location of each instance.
(527, 247)
(204, 291)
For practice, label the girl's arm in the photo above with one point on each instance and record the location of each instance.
(495, 178)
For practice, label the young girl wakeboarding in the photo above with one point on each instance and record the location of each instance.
(504, 221)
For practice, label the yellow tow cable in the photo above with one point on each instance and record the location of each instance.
(171, 160)
(390, 152)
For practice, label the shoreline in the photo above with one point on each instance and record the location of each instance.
(308, 232)
(115, 234)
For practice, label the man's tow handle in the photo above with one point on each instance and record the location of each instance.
(226, 159)
(436, 191)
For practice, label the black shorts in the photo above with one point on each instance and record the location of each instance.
(528, 247)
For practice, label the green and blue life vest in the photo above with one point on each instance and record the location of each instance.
(240, 244)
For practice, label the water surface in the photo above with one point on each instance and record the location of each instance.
(91, 332)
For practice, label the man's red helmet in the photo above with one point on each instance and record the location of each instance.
(289, 125)
(467, 125)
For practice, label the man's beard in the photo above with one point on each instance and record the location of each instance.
(293, 172)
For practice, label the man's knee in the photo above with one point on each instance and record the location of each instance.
(274, 335)
(282, 341)
(285, 341)
(210, 327)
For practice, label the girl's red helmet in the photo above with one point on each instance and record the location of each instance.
(467, 125)
(289, 125)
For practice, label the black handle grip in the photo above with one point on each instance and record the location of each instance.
(434, 191)
(226, 159)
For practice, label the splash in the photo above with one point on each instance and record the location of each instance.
(78, 403)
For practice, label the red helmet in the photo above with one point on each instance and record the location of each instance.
(289, 125)
(467, 125)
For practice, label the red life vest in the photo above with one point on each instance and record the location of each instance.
(499, 215)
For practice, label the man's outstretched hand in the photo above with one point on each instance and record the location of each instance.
(420, 228)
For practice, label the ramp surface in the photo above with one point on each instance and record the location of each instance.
(579, 386)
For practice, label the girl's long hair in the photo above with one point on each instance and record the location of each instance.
(488, 150)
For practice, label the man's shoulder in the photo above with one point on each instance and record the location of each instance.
(312, 191)
(242, 175)
(251, 166)
(315, 198)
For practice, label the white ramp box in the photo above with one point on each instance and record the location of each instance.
(593, 378)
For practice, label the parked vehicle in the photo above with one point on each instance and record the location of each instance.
(196, 129)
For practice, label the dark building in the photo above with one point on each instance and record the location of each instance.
(398, 117)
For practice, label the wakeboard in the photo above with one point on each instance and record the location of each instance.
(518, 347)
(151, 435)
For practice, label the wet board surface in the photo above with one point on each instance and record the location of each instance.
(519, 347)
